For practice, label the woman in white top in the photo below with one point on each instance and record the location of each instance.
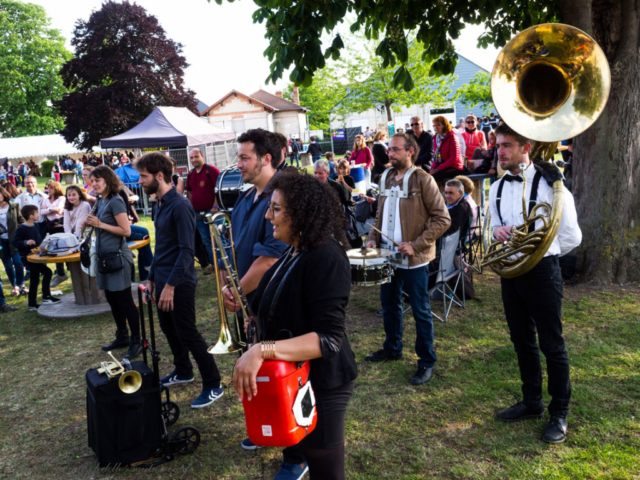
(52, 207)
(76, 210)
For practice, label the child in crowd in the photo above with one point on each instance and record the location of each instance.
(27, 238)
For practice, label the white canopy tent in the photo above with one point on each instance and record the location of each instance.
(37, 147)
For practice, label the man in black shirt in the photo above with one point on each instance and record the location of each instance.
(425, 143)
(173, 276)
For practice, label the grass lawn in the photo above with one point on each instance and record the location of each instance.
(444, 429)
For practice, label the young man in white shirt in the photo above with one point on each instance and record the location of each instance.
(533, 301)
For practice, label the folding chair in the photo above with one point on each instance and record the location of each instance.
(474, 246)
(448, 274)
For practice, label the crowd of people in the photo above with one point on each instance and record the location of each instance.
(291, 233)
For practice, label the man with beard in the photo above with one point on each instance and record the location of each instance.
(533, 300)
(413, 215)
(172, 277)
(260, 154)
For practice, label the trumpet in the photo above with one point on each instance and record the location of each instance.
(228, 341)
(130, 380)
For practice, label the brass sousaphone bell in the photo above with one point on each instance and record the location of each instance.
(550, 83)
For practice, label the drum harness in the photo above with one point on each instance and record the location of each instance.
(393, 197)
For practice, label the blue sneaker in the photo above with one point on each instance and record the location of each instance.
(292, 471)
(173, 378)
(207, 397)
(249, 445)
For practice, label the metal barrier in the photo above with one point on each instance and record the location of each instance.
(143, 204)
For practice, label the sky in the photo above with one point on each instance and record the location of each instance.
(222, 45)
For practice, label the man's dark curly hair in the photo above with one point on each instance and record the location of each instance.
(264, 142)
(314, 210)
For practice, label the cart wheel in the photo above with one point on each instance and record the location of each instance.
(191, 437)
(170, 412)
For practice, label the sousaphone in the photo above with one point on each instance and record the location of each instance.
(550, 83)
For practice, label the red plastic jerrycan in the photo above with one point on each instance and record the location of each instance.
(284, 411)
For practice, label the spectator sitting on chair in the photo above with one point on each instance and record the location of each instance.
(467, 184)
(459, 209)
(321, 172)
(447, 160)
(424, 141)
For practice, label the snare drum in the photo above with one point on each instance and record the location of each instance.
(229, 188)
(370, 266)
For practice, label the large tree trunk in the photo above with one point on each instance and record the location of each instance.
(607, 156)
(387, 107)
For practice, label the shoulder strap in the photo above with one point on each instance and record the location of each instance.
(276, 295)
(534, 197)
(498, 199)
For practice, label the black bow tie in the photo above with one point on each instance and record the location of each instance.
(513, 178)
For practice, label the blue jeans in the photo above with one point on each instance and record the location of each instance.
(296, 157)
(414, 282)
(205, 233)
(145, 254)
(12, 265)
(2, 299)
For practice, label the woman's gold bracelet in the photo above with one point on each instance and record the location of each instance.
(268, 349)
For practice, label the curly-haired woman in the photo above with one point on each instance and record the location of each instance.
(447, 160)
(300, 304)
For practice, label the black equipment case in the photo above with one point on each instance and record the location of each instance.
(123, 428)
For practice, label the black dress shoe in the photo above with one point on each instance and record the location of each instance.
(121, 341)
(556, 431)
(135, 347)
(381, 356)
(422, 375)
(518, 412)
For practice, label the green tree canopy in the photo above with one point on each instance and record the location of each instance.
(372, 81)
(477, 92)
(31, 54)
(359, 81)
(295, 29)
(320, 98)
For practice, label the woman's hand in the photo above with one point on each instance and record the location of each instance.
(246, 371)
(93, 221)
(492, 172)
(433, 170)
(340, 179)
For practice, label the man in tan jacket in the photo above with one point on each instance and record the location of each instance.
(413, 213)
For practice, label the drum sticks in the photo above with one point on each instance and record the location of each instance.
(386, 236)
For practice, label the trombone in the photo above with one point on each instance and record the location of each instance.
(228, 341)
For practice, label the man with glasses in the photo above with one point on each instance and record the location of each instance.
(412, 215)
(259, 155)
(424, 141)
(201, 192)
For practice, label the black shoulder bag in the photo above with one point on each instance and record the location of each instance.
(110, 262)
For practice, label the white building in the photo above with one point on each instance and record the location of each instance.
(465, 71)
(240, 112)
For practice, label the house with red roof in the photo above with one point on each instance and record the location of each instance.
(261, 109)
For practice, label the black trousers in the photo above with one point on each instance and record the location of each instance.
(36, 270)
(533, 304)
(124, 310)
(324, 447)
(179, 326)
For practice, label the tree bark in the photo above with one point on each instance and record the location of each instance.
(606, 165)
(387, 106)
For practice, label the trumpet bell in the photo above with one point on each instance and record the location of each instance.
(551, 82)
(130, 382)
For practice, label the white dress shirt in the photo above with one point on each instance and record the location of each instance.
(396, 235)
(569, 234)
